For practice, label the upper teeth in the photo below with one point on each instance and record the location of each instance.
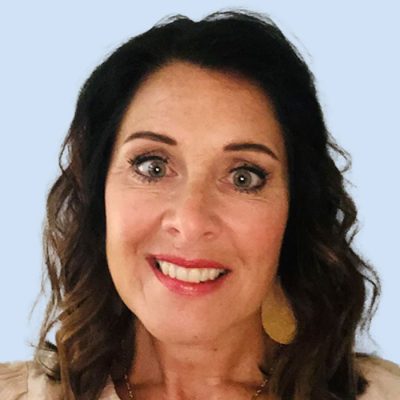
(189, 274)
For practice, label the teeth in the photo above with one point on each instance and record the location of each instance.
(195, 275)
(164, 267)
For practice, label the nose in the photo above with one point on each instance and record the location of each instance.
(192, 215)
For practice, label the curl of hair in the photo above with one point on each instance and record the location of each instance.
(323, 276)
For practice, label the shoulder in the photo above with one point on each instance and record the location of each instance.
(383, 378)
(13, 380)
(23, 380)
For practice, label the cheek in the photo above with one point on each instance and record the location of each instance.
(258, 239)
(267, 231)
(128, 232)
(262, 226)
(125, 223)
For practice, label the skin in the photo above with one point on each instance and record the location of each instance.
(197, 347)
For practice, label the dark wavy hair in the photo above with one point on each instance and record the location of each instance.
(333, 291)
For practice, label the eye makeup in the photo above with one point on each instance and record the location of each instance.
(152, 166)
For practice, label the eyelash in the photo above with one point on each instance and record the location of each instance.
(136, 161)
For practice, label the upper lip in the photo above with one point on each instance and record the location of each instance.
(195, 263)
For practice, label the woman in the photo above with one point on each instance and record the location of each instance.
(198, 239)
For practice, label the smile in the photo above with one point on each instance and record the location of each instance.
(195, 275)
(188, 277)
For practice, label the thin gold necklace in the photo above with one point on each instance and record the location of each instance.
(255, 395)
(131, 396)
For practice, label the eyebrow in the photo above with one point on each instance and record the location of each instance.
(248, 146)
(157, 137)
(245, 146)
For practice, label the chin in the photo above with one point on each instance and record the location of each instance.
(183, 331)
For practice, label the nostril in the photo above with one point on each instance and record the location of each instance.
(186, 226)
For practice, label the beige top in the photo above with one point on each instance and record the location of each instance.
(24, 381)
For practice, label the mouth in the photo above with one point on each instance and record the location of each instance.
(193, 281)
(198, 274)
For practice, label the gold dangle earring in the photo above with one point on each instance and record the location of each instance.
(277, 315)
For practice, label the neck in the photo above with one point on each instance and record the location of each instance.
(181, 370)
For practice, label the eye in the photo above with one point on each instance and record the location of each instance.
(249, 178)
(149, 167)
(154, 168)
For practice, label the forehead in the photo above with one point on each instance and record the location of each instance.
(188, 101)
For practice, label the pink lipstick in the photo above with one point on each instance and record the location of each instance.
(187, 288)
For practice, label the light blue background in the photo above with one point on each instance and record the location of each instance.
(48, 48)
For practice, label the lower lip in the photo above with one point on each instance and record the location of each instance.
(187, 288)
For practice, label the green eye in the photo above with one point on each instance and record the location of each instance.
(152, 168)
(249, 179)
(246, 178)
(148, 167)
(243, 179)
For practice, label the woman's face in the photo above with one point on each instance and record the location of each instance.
(198, 178)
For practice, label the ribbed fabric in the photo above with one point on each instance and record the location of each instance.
(14, 381)
(383, 377)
